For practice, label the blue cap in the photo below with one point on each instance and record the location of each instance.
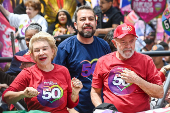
(158, 48)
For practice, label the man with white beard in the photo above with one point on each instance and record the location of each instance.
(128, 78)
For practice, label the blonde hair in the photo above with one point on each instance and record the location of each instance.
(43, 36)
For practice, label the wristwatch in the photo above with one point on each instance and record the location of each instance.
(164, 68)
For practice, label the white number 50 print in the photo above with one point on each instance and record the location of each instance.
(51, 94)
(118, 81)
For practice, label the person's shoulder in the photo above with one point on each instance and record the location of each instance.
(100, 40)
(39, 16)
(142, 56)
(60, 67)
(115, 9)
(31, 69)
(68, 41)
(107, 56)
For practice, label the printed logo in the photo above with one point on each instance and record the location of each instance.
(51, 94)
(88, 68)
(117, 85)
(105, 18)
(158, 7)
(129, 28)
(166, 13)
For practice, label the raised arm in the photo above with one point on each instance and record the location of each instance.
(4, 11)
(96, 96)
(76, 87)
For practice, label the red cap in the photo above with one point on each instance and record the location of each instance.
(25, 58)
(123, 30)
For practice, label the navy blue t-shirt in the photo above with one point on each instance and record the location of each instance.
(80, 59)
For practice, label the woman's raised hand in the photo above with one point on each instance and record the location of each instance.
(71, 30)
(76, 85)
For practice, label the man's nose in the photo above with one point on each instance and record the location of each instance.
(87, 21)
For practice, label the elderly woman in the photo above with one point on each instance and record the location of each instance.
(33, 8)
(45, 86)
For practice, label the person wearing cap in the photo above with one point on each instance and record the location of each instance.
(32, 29)
(45, 86)
(158, 60)
(128, 78)
(79, 53)
(26, 61)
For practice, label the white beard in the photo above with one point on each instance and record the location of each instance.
(126, 55)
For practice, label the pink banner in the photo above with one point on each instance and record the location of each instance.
(5, 40)
(148, 9)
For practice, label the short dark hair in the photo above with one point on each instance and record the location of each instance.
(148, 41)
(69, 21)
(84, 7)
(108, 38)
(164, 44)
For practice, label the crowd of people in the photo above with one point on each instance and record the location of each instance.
(84, 72)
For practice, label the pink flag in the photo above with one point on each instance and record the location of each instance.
(148, 9)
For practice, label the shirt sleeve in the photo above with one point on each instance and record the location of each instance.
(43, 24)
(70, 103)
(8, 89)
(162, 76)
(14, 19)
(153, 76)
(117, 18)
(97, 81)
(19, 83)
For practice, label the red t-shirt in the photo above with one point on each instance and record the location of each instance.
(127, 98)
(54, 87)
(161, 75)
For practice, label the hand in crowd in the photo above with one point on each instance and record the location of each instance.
(60, 32)
(30, 92)
(129, 76)
(76, 85)
(3, 86)
(71, 30)
(165, 68)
